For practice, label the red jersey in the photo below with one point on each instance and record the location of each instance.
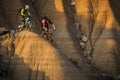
(46, 22)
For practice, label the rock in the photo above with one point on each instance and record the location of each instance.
(73, 3)
(82, 44)
(84, 39)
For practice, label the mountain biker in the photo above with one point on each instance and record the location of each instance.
(25, 13)
(45, 22)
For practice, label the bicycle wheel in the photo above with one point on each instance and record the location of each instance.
(19, 20)
(50, 37)
(31, 25)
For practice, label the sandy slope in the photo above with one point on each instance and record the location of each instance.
(37, 59)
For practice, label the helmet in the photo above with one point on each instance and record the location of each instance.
(45, 17)
(26, 6)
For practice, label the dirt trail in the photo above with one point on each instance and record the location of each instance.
(59, 11)
(55, 10)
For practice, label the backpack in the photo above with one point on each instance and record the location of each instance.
(20, 10)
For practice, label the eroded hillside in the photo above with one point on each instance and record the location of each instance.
(94, 20)
(99, 24)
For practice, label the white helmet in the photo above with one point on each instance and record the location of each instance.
(26, 6)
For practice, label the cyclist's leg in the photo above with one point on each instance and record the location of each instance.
(25, 20)
(43, 32)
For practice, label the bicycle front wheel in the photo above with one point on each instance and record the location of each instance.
(31, 25)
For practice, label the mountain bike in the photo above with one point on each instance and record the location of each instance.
(28, 24)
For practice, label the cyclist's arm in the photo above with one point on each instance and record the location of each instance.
(51, 23)
(29, 14)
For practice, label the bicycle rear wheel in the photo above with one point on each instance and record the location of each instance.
(50, 37)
